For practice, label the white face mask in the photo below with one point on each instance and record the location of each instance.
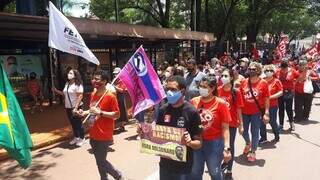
(203, 92)
(70, 76)
(225, 80)
(269, 74)
(167, 74)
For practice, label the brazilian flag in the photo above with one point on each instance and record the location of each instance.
(14, 132)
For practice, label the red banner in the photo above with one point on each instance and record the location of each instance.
(281, 49)
(313, 51)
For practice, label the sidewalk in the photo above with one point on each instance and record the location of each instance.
(46, 128)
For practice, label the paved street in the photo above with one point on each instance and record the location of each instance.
(295, 157)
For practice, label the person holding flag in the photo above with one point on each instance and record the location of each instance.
(14, 133)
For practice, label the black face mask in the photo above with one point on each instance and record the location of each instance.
(190, 69)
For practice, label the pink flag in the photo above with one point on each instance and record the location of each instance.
(142, 82)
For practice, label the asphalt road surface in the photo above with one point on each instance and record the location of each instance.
(295, 157)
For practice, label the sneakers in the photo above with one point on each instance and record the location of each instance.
(74, 141)
(247, 149)
(292, 127)
(263, 140)
(252, 157)
(228, 175)
(80, 142)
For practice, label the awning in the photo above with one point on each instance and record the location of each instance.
(14, 26)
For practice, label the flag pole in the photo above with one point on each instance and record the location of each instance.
(51, 72)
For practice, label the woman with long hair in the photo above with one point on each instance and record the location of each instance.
(215, 117)
(73, 94)
(256, 108)
(234, 101)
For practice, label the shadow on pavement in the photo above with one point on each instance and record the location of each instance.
(63, 145)
(132, 138)
(268, 145)
(307, 122)
(242, 159)
(299, 137)
(36, 171)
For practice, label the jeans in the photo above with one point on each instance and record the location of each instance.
(210, 153)
(170, 174)
(285, 104)
(233, 133)
(273, 123)
(76, 124)
(140, 117)
(302, 106)
(100, 149)
(255, 122)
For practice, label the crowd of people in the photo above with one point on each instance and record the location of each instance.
(233, 95)
(212, 101)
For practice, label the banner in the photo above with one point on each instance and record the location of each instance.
(313, 51)
(22, 65)
(142, 82)
(163, 141)
(281, 49)
(65, 37)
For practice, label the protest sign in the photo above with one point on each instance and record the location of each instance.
(163, 141)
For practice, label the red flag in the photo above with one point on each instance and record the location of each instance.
(313, 51)
(281, 49)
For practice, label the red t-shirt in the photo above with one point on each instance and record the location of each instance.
(233, 106)
(212, 114)
(274, 87)
(103, 127)
(287, 78)
(261, 92)
(33, 87)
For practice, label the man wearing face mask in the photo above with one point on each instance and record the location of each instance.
(101, 122)
(193, 78)
(181, 114)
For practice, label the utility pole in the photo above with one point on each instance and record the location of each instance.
(195, 28)
(116, 5)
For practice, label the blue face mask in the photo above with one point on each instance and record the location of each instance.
(173, 96)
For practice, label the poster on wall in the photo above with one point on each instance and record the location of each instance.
(22, 65)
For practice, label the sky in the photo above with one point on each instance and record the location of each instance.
(77, 11)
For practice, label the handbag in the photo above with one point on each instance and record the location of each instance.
(316, 86)
(74, 115)
(307, 86)
(287, 94)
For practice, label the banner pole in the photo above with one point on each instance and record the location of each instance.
(51, 73)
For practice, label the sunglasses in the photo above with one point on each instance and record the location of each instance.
(269, 71)
(252, 69)
(223, 75)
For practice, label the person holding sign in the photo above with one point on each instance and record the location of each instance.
(180, 114)
(215, 117)
(103, 111)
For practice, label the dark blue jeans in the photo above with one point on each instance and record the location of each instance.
(76, 124)
(255, 122)
(233, 133)
(140, 117)
(273, 123)
(170, 174)
(210, 153)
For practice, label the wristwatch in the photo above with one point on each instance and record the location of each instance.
(227, 149)
(101, 113)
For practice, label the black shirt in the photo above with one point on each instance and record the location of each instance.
(187, 117)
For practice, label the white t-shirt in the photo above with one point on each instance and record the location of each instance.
(72, 91)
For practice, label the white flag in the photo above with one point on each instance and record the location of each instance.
(65, 37)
